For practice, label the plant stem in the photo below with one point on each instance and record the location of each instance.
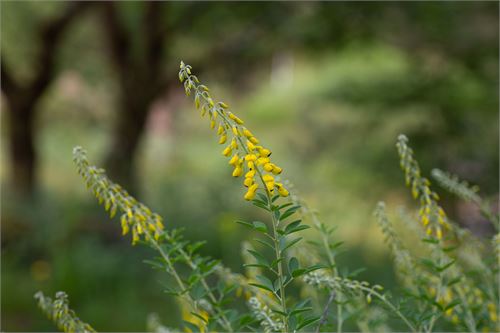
(225, 323)
(325, 311)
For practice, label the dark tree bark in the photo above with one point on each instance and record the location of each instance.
(141, 81)
(22, 100)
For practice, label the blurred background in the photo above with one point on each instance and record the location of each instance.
(327, 86)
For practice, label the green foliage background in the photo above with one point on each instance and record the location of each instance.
(333, 87)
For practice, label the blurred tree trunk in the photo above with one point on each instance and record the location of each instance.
(22, 99)
(140, 81)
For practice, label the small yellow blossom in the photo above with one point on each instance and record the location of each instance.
(227, 151)
(238, 171)
(220, 130)
(234, 160)
(250, 157)
(223, 139)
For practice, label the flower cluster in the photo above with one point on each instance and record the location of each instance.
(268, 320)
(135, 215)
(245, 155)
(431, 214)
(336, 283)
(59, 311)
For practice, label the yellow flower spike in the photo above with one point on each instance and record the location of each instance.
(254, 140)
(247, 133)
(227, 151)
(212, 124)
(220, 130)
(250, 157)
(235, 131)
(250, 174)
(223, 139)
(238, 171)
(268, 167)
(248, 182)
(250, 145)
(264, 152)
(234, 160)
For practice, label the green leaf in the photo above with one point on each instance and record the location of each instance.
(292, 225)
(293, 264)
(297, 228)
(263, 198)
(306, 322)
(289, 212)
(298, 272)
(260, 205)
(314, 268)
(259, 226)
(246, 224)
(261, 286)
(285, 205)
(446, 266)
(259, 257)
(263, 242)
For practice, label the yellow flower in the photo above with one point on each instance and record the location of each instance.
(251, 192)
(282, 190)
(268, 167)
(250, 174)
(238, 171)
(264, 152)
(235, 131)
(227, 151)
(276, 169)
(267, 178)
(263, 160)
(248, 181)
(235, 118)
(125, 228)
(250, 157)
(220, 130)
(223, 139)
(247, 133)
(254, 140)
(234, 160)
(439, 233)
(250, 145)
